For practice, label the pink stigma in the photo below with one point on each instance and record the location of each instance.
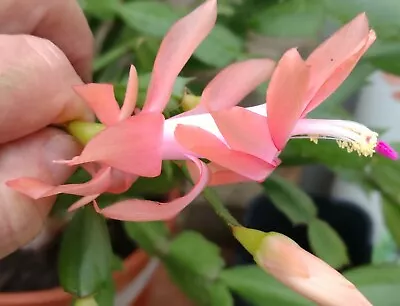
(386, 150)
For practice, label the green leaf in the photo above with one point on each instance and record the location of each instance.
(293, 18)
(117, 263)
(385, 174)
(259, 288)
(327, 244)
(194, 264)
(151, 236)
(385, 56)
(391, 213)
(220, 48)
(380, 284)
(106, 294)
(102, 9)
(326, 152)
(148, 17)
(290, 199)
(85, 254)
(383, 15)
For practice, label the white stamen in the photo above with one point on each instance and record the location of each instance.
(349, 135)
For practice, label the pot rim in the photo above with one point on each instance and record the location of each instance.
(132, 264)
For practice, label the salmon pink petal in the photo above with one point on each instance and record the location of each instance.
(339, 52)
(121, 181)
(101, 99)
(338, 76)
(37, 189)
(143, 210)
(210, 147)
(175, 50)
(132, 146)
(131, 95)
(246, 132)
(286, 96)
(232, 84)
(219, 175)
(83, 201)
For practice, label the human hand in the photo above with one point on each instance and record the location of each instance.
(46, 48)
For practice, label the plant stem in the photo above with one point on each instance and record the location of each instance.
(213, 199)
(217, 205)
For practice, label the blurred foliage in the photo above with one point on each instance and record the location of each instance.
(129, 32)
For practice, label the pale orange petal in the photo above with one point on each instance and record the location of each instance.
(132, 146)
(232, 84)
(246, 132)
(142, 210)
(36, 189)
(83, 201)
(131, 95)
(286, 96)
(210, 147)
(335, 58)
(219, 175)
(175, 50)
(101, 99)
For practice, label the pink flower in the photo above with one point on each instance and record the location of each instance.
(305, 273)
(244, 143)
(130, 146)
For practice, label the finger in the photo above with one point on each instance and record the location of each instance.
(36, 82)
(60, 21)
(21, 218)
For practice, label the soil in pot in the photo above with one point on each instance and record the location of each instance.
(32, 270)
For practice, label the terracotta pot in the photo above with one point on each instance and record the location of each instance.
(133, 265)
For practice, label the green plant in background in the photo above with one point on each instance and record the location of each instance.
(129, 32)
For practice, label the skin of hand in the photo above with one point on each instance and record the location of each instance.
(46, 48)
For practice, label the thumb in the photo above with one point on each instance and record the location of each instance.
(21, 218)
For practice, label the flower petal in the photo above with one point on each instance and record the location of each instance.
(143, 210)
(175, 50)
(246, 132)
(286, 96)
(37, 189)
(338, 76)
(337, 55)
(131, 95)
(219, 175)
(132, 146)
(83, 201)
(101, 99)
(232, 84)
(306, 274)
(210, 147)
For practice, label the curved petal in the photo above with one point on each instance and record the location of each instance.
(286, 96)
(247, 132)
(101, 99)
(142, 210)
(175, 50)
(219, 175)
(232, 84)
(210, 147)
(37, 189)
(131, 95)
(83, 201)
(132, 146)
(337, 76)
